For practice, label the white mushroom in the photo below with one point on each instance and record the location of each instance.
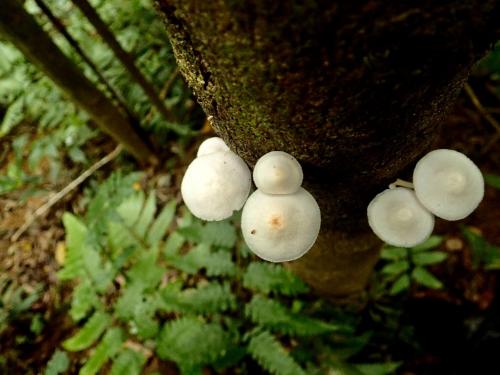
(278, 173)
(211, 145)
(397, 218)
(448, 184)
(280, 228)
(216, 185)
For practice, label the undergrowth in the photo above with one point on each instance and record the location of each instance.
(152, 280)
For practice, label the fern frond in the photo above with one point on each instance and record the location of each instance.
(161, 224)
(273, 315)
(119, 237)
(216, 263)
(130, 297)
(83, 300)
(144, 318)
(58, 363)
(89, 333)
(107, 348)
(208, 299)
(191, 342)
(110, 194)
(217, 233)
(173, 244)
(128, 362)
(272, 356)
(146, 216)
(145, 271)
(130, 209)
(267, 277)
(83, 259)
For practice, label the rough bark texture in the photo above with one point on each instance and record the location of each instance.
(355, 90)
(19, 27)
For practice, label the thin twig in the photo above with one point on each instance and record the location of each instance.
(42, 210)
(487, 115)
(475, 100)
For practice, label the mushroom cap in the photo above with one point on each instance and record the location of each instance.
(399, 219)
(280, 228)
(278, 173)
(448, 184)
(211, 145)
(216, 185)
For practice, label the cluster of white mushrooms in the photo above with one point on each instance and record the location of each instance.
(446, 183)
(280, 220)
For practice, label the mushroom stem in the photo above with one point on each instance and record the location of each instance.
(401, 183)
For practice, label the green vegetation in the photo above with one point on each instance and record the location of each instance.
(228, 309)
(119, 278)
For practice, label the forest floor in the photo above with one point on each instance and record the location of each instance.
(470, 294)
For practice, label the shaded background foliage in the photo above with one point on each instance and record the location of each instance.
(119, 278)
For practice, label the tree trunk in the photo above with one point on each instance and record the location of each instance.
(354, 90)
(125, 58)
(20, 28)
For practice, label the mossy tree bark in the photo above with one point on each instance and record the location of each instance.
(354, 90)
(20, 28)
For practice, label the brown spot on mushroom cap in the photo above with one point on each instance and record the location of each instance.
(253, 231)
(276, 222)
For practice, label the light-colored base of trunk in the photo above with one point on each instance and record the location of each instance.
(339, 264)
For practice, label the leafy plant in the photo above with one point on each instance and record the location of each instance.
(483, 253)
(56, 132)
(186, 291)
(15, 301)
(406, 266)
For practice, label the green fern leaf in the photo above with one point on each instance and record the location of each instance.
(270, 354)
(267, 277)
(146, 272)
(208, 299)
(119, 237)
(219, 234)
(173, 244)
(83, 300)
(128, 362)
(58, 363)
(89, 333)
(131, 296)
(273, 315)
(146, 217)
(161, 224)
(76, 236)
(144, 319)
(131, 208)
(217, 263)
(82, 259)
(107, 348)
(216, 233)
(191, 342)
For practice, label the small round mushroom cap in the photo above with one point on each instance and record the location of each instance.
(216, 185)
(280, 228)
(399, 219)
(211, 145)
(448, 184)
(278, 172)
